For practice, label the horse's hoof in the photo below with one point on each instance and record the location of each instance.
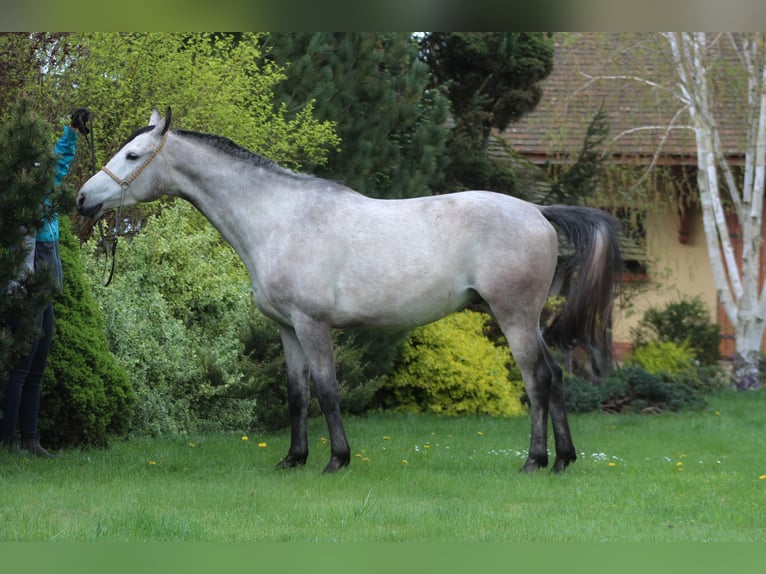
(533, 465)
(335, 465)
(560, 465)
(290, 462)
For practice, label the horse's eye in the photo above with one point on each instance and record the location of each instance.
(132, 156)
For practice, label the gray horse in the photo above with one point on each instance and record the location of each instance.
(321, 255)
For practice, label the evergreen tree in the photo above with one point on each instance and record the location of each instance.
(492, 79)
(374, 87)
(26, 180)
(87, 396)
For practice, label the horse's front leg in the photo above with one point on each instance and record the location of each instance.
(297, 399)
(316, 341)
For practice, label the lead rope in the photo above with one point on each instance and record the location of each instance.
(109, 246)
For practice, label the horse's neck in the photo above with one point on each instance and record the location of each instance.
(243, 204)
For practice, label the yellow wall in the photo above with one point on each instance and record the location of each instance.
(675, 270)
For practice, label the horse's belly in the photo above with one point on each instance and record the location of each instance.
(399, 309)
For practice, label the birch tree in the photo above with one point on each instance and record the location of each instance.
(742, 294)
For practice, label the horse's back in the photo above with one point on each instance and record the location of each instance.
(405, 262)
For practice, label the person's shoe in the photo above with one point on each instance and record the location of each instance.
(32, 445)
(10, 444)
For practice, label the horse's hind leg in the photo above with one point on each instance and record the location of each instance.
(542, 380)
(297, 399)
(565, 451)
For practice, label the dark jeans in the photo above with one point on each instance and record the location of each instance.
(20, 402)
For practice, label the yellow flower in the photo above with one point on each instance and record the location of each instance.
(357, 455)
(365, 459)
(612, 464)
(679, 463)
(718, 413)
(152, 463)
(404, 461)
(261, 445)
(480, 433)
(191, 444)
(386, 437)
(762, 477)
(244, 438)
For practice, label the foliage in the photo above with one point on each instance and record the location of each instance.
(173, 313)
(373, 87)
(451, 367)
(87, 396)
(579, 182)
(581, 395)
(25, 142)
(213, 84)
(683, 322)
(635, 389)
(663, 356)
(496, 74)
(491, 79)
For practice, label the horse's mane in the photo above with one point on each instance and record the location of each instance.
(229, 147)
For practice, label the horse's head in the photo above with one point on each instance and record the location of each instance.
(128, 177)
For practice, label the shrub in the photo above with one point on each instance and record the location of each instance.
(173, 314)
(580, 395)
(87, 396)
(451, 367)
(686, 321)
(663, 356)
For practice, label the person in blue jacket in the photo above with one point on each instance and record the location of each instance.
(20, 402)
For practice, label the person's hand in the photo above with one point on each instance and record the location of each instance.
(80, 119)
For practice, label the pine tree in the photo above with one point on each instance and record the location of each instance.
(491, 79)
(375, 88)
(26, 180)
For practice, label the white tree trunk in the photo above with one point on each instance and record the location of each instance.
(738, 284)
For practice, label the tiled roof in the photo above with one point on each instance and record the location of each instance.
(591, 69)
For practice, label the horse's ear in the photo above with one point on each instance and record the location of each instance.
(161, 125)
(167, 121)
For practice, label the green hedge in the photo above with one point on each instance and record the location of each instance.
(451, 367)
(87, 395)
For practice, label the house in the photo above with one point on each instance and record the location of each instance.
(656, 156)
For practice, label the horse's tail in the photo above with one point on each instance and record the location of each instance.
(587, 313)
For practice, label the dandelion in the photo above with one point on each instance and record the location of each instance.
(404, 461)
(762, 477)
(386, 437)
(612, 464)
(152, 463)
(192, 445)
(718, 413)
(679, 463)
(261, 445)
(480, 433)
(365, 459)
(426, 445)
(244, 438)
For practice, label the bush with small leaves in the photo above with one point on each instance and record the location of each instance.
(451, 367)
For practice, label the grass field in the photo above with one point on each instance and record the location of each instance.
(690, 477)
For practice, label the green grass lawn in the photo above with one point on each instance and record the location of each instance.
(697, 476)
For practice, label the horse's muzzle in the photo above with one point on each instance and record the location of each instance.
(87, 210)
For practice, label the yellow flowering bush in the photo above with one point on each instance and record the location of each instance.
(450, 367)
